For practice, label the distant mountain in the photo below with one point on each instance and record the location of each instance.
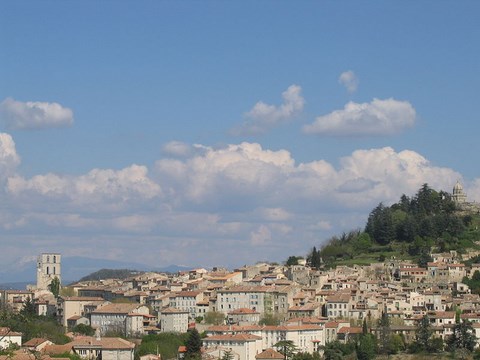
(73, 268)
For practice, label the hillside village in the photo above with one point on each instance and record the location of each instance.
(246, 312)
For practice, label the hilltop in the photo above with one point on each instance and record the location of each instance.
(412, 228)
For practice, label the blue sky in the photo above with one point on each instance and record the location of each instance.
(205, 130)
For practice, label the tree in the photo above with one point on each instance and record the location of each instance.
(286, 347)
(227, 355)
(423, 333)
(366, 347)
(384, 334)
(193, 344)
(214, 318)
(28, 309)
(54, 286)
(463, 337)
(314, 258)
(84, 330)
(270, 319)
(293, 260)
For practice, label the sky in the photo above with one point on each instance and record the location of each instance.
(222, 133)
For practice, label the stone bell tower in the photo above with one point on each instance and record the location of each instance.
(48, 268)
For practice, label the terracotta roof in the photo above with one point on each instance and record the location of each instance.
(35, 342)
(82, 298)
(172, 310)
(104, 343)
(5, 331)
(242, 311)
(116, 309)
(269, 354)
(233, 337)
(350, 330)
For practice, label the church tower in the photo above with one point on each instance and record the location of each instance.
(48, 268)
(458, 196)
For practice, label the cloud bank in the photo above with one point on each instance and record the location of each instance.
(377, 118)
(210, 206)
(263, 117)
(17, 115)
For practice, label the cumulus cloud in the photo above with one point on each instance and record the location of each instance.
(9, 158)
(377, 118)
(349, 80)
(262, 117)
(177, 148)
(18, 115)
(99, 189)
(261, 237)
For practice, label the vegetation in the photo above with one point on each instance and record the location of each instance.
(193, 344)
(32, 325)
(84, 330)
(270, 320)
(293, 260)
(111, 274)
(463, 337)
(474, 282)
(287, 348)
(165, 344)
(54, 286)
(214, 318)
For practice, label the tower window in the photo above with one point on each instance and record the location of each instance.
(48, 270)
(54, 259)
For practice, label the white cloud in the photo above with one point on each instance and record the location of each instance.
(177, 148)
(98, 190)
(9, 159)
(377, 118)
(261, 237)
(262, 117)
(19, 115)
(349, 80)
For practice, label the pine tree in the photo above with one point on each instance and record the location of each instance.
(193, 344)
(423, 333)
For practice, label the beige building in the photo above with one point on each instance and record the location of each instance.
(15, 299)
(173, 320)
(103, 348)
(69, 307)
(127, 319)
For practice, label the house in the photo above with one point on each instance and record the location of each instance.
(173, 320)
(243, 316)
(37, 344)
(108, 348)
(68, 307)
(186, 301)
(8, 337)
(246, 346)
(338, 306)
(127, 319)
(15, 299)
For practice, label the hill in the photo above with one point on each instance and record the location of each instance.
(412, 228)
(111, 274)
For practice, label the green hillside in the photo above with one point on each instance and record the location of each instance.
(409, 229)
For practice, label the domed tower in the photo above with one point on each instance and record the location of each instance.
(458, 196)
